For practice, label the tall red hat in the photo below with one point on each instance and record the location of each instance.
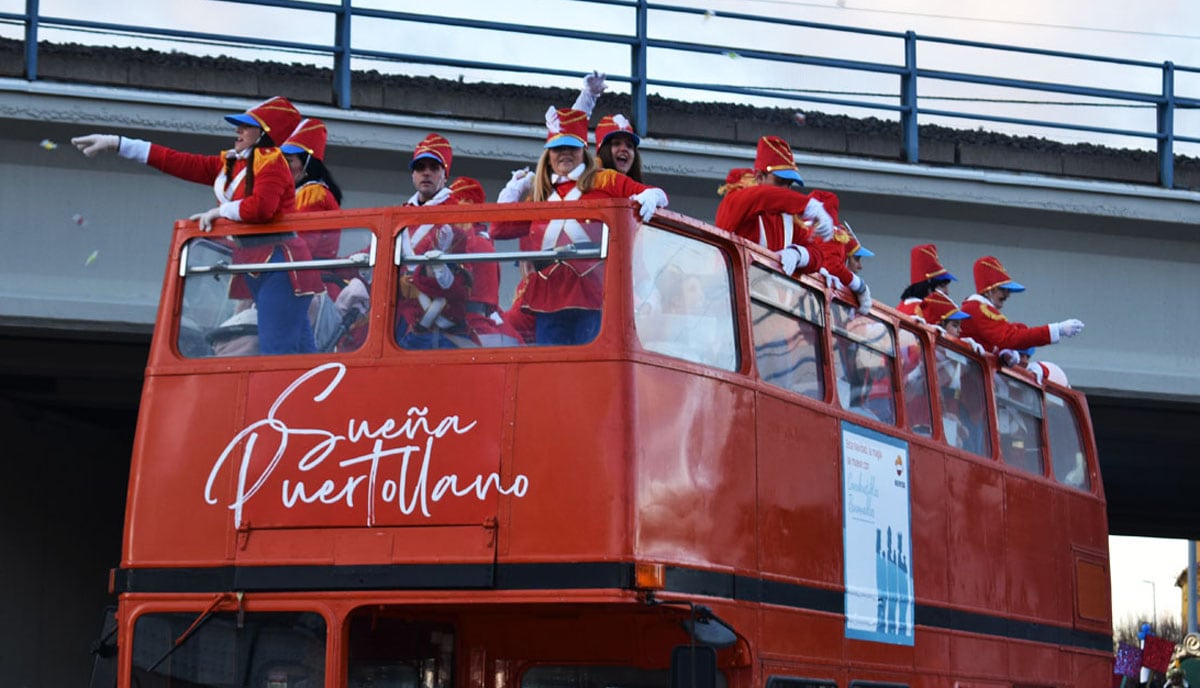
(615, 124)
(434, 147)
(936, 308)
(309, 137)
(989, 274)
(275, 116)
(467, 190)
(566, 127)
(737, 178)
(924, 265)
(774, 155)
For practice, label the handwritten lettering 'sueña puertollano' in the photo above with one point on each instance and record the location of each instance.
(377, 463)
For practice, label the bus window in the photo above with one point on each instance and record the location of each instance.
(789, 682)
(258, 649)
(1019, 422)
(1066, 447)
(231, 283)
(916, 383)
(863, 357)
(964, 401)
(683, 299)
(456, 290)
(787, 319)
(399, 652)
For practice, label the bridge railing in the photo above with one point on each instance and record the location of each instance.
(904, 79)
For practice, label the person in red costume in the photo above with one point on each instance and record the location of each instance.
(316, 190)
(926, 275)
(252, 183)
(738, 178)
(485, 325)
(768, 211)
(988, 326)
(617, 146)
(841, 260)
(565, 296)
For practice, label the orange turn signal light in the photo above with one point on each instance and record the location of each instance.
(649, 576)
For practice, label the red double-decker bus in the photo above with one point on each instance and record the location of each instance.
(738, 482)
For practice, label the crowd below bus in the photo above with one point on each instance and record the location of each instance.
(277, 166)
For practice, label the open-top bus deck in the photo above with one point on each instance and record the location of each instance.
(740, 482)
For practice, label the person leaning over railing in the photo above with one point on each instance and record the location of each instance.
(565, 296)
(992, 329)
(252, 183)
(926, 275)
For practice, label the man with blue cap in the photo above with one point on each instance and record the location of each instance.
(988, 326)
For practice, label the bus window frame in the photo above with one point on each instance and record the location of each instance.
(826, 357)
(1083, 426)
(833, 330)
(962, 349)
(1043, 437)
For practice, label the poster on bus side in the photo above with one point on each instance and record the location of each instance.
(876, 518)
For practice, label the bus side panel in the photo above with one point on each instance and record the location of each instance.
(180, 433)
(694, 470)
(570, 441)
(1037, 552)
(931, 559)
(976, 542)
(799, 492)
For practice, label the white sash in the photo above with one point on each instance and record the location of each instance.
(575, 231)
(225, 192)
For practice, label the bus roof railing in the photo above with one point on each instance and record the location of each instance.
(910, 100)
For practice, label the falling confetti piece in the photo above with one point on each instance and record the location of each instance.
(732, 55)
(79, 219)
(800, 118)
(709, 14)
(48, 144)
(92, 258)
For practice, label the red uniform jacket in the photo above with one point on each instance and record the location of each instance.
(312, 197)
(575, 284)
(758, 213)
(274, 194)
(911, 308)
(993, 331)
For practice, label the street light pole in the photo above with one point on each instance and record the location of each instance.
(1154, 604)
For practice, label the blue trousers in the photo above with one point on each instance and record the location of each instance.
(283, 326)
(572, 326)
(431, 339)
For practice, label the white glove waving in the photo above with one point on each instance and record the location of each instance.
(793, 257)
(354, 296)
(1070, 327)
(864, 299)
(831, 280)
(594, 83)
(94, 144)
(820, 218)
(517, 187)
(651, 199)
(206, 218)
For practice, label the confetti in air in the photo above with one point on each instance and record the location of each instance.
(709, 14)
(732, 55)
(92, 257)
(800, 118)
(79, 219)
(48, 144)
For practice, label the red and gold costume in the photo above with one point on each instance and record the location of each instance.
(923, 265)
(768, 215)
(989, 326)
(313, 195)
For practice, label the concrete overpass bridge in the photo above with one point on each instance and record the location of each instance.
(85, 246)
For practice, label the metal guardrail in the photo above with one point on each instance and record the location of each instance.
(907, 104)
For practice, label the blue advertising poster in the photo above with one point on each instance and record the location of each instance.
(878, 544)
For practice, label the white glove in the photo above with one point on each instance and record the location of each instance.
(940, 330)
(517, 187)
(975, 346)
(820, 218)
(593, 86)
(1036, 369)
(1069, 327)
(1009, 357)
(206, 218)
(94, 144)
(443, 274)
(445, 237)
(651, 199)
(793, 258)
(831, 280)
(864, 299)
(354, 296)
